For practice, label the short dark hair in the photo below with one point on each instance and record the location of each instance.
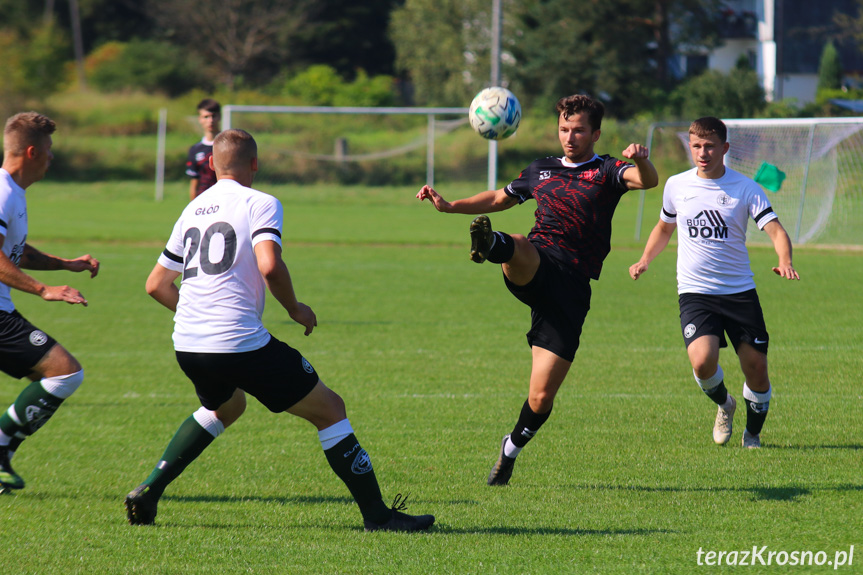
(707, 126)
(26, 129)
(579, 103)
(210, 105)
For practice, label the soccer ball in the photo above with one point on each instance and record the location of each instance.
(495, 113)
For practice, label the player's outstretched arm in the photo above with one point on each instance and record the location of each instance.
(278, 279)
(161, 286)
(482, 203)
(12, 276)
(33, 259)
(782, 245)
(657, 242)
(644, 176)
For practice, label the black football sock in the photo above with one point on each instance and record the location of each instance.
(757, 406)
(718, 394)
(527, 426)
(502, 249)
(354, 467)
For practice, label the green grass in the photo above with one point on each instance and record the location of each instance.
(428, 351)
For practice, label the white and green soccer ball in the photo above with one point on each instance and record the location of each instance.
(495, 113)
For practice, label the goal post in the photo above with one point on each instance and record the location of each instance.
(435, 128)
(811, 170)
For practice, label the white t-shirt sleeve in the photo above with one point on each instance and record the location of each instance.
(172, 256)
(265, 219)
(760, 209)
(668, 213)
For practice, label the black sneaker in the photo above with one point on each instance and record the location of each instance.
(401, 521)
(502, 470)
(481, 239)
(141, 506)
(8, 478)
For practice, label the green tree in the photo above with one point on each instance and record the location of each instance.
(829, 69)
(349, 36)
(737, 94)
(443, 48)
(617, 51)
(148, 66)
(34, 61)
(231, 35)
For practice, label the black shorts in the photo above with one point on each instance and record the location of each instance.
(739, 315)
(558, 301)
(277, 375)
(22, 345)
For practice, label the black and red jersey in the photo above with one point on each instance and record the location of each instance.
(575, 205)
(198, 165)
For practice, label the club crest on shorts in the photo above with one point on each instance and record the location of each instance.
(689, 331)
(307, 367)
(362, 463)
(38, 337)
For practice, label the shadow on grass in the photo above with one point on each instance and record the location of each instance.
(574, 532)
(283, 500)
(851, 447)
(787, 493)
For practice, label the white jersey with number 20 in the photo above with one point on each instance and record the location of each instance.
(711, 217)
(222, 292)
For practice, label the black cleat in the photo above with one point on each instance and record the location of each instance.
(8, 478)
(502, 470)
(141, 506)
(401, 521)
(481, 239)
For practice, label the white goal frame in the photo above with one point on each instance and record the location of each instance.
(430, 113)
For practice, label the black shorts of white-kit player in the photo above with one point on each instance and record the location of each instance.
(22, 345)
(559, 300)
(738, 315)
(277, 375)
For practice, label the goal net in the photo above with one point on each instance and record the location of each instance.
(356, 145)
(811, 170)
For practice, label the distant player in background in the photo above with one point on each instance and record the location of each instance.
(198, 164)
(710, 206)
(227, 246)
(25, 350)
(550, 270)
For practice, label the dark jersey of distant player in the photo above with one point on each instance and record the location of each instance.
(575, 205)
(198, 166)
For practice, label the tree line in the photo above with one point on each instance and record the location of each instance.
(423, 52)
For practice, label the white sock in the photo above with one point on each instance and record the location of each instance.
(331, 435)
(510, 449)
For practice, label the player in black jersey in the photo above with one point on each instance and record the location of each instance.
(198, 163)
(550, 269)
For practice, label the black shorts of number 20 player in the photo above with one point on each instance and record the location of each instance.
(277, 375)
(572, 233)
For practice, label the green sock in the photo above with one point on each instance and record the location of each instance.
(33, 408)
(353, 466)
(187, 444)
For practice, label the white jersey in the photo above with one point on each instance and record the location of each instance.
(711, 217)
(13, 227)
(222, 292)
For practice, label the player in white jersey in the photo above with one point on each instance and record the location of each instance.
(710, 206)
(26, 351)
(226, 248)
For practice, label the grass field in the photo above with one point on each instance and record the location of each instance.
(428, 351)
